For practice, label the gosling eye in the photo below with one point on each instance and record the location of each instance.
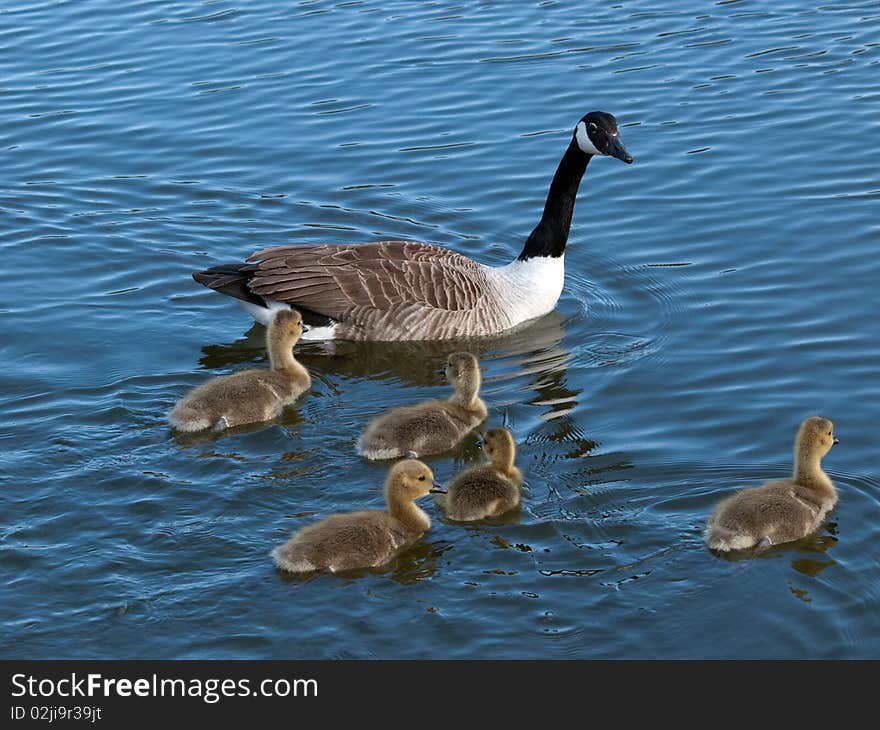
(830, 432)
(422, 478)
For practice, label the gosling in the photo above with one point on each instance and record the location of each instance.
(431, 427)
(364, 539)
(779, 511)
(249, 396)
(488, 490)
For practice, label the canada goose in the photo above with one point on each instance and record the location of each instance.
(363, 539)
(433, 426)
(252, 395)
(405, 290)
(779, 511)
(488, 490)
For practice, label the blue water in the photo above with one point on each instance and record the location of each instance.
(719, 290)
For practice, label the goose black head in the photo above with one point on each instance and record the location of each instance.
(596, 134)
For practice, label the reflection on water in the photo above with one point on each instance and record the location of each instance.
(817, 544)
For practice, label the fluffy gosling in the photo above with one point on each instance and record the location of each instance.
(364, 539)
(431, 427)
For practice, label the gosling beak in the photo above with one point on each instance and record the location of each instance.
(616, 149)
(835, 440)
(437, 488)
(411, 455)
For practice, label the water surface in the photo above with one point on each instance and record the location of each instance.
(719, 290)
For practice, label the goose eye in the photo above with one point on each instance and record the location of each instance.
(422, 478)
(593, 126)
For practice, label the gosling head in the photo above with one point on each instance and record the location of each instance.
(816, 436)
(596, 134)
(286, 324)
(463, 371)
(410, 479)
(499, 446)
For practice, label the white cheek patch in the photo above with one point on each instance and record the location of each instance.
(584, 141)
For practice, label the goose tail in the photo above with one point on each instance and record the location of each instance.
(232, 280)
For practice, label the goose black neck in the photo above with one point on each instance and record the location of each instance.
(551, 233)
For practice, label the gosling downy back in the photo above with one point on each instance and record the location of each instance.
(434, 426)
(779, 511)
(249, 396)
(363, 539)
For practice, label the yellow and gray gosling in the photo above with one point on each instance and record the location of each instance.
(364, 539)
(431, 427)
(779, 511)
(488, 490)
(249, 396)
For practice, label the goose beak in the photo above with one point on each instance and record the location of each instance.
(437, 488)
(616, 149)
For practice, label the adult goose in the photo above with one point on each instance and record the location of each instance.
(404, 290)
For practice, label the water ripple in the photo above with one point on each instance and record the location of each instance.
(719, 290)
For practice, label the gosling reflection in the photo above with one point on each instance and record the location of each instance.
(488, 490)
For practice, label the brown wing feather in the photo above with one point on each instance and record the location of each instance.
(338, 279)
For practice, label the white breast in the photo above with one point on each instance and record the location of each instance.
(530, 288)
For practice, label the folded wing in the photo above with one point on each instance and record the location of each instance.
(343, 280)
